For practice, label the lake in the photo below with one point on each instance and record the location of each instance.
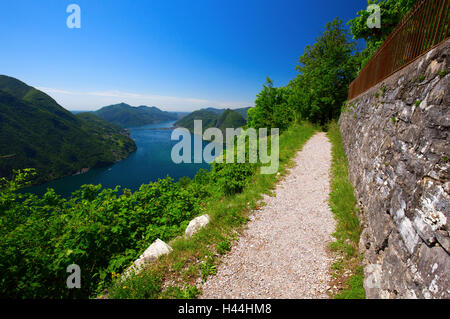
(150, 162)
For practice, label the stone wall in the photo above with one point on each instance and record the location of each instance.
(396, 136)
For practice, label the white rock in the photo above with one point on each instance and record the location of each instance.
(158, 248)
(196, 224)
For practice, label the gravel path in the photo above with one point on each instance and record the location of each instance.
(283, 254)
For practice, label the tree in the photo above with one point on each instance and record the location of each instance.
(317, 93)
(271, 108)
(392, 12)
(325, 71)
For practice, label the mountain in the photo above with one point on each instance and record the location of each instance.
(214, 110)
(180, 115)
(210, 118)
(242, 111)
(129, 116)
(36, 132)
(230, 119)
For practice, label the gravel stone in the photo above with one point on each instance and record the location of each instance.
(283, 253)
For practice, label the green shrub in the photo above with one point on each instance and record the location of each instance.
(196, 258)
(184, 181)
(189, 292)
(232, 177)
(223, 247)
(145, 285)
(201, 187)
(208, 268)
(99, 230)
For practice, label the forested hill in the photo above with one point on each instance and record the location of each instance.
(222, 120)
(128, 116)
(242, 111)
(36, 132)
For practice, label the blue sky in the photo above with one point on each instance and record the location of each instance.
(177, 55)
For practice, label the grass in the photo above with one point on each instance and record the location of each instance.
(355, 289)
(346, 271)
(420, 78)
(175, 275)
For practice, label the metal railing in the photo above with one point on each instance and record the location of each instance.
(426, 26)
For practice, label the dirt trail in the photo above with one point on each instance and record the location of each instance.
(283, 253)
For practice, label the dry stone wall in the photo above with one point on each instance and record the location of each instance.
(396, 137)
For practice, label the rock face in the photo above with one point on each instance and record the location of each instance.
(196, 224)
(396, 136)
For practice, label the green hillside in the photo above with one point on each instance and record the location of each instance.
(129, 116)
(222, 120)
(36, 132)
(230, 119)
(242, 111)
(214, 110)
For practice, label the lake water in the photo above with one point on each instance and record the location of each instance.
(151, 161)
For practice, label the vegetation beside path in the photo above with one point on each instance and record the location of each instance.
(228, 193)
(175, 275)
(347, 272)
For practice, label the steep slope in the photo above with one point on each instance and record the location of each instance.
(180, 115)
(214, 110)
(243, 111)
(128, 116)
(230, 119)
(227, 119)
(208, 118)
(36, 132)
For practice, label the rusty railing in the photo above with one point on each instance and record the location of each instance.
(426, 26)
